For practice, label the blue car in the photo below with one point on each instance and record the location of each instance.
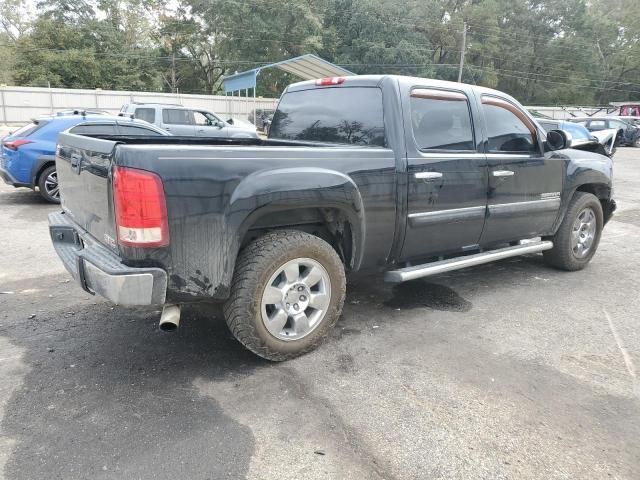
(28, 155)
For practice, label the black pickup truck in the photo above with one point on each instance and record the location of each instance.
(407, 176)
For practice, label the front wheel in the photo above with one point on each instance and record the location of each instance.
(576, 241)
(287, 293)
(48, 185)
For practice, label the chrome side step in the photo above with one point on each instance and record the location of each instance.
(434, 268)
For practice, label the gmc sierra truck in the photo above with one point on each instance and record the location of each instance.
(406, 176)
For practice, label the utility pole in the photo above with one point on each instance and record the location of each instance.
(173, 71)
(464, 48)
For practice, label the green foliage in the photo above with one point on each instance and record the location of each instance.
(541, 51)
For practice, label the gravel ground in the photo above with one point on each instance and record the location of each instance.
(510, 370)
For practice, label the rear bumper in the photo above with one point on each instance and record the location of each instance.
(99, 270)
(10, 179)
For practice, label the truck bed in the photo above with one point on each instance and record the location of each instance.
(214, 189)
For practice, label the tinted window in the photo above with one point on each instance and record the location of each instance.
(177, 116)
(29, 129)
(549, 125)
(146, 114)
(345, 115)
(576, 131)
(95, 129)
(506, 130)
(204, 118)
(136, 130)
(441, 120)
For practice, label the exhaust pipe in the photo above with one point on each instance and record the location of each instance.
(170, 318)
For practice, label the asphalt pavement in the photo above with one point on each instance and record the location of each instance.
(506, 371)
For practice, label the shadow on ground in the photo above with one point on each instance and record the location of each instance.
(22, 196)
(110, 396)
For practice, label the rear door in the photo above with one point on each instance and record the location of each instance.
(179, 121)
(447, 175)
(524, 183)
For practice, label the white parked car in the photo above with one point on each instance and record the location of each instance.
(187, 122)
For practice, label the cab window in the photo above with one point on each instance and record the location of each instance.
(509, 130)
(204, 118)
(146, 114)
(441, 120)
(176, 116)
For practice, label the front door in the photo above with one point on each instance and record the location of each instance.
(447, 175)
(207, 125)
(524, 183)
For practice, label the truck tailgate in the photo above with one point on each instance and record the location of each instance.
(83, 165)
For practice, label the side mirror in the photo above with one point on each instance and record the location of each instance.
(230, 121)
(558, 140)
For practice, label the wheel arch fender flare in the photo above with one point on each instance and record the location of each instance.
(283, 189)
(39, 164)
(592, 177)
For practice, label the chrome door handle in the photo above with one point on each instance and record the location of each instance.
(503, 173)
(428, 175)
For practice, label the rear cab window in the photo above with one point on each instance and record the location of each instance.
(441, 120)
(336, 115)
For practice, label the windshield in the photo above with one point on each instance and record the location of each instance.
(576, 130)
(343, 115)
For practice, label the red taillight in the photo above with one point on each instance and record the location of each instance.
(14, 144)
(323, 82)
(141, 210)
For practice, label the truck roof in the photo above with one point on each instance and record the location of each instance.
(377, 80)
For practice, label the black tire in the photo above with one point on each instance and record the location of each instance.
(45, 192)
(636, 142)
(256, 265)
(562, 255)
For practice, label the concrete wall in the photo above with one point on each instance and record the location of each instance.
(18, 105)
(562, 113)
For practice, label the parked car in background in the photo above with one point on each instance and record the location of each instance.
(261, 118)
(628, 134)
(629, 111)
(28, 155)
(581, 138)
(187, 122)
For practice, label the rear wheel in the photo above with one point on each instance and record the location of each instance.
(287, 293)
(576, 241)
(48, 185)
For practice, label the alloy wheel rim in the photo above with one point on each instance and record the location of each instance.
(296, 299)
(583, 233)
(51, 185)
